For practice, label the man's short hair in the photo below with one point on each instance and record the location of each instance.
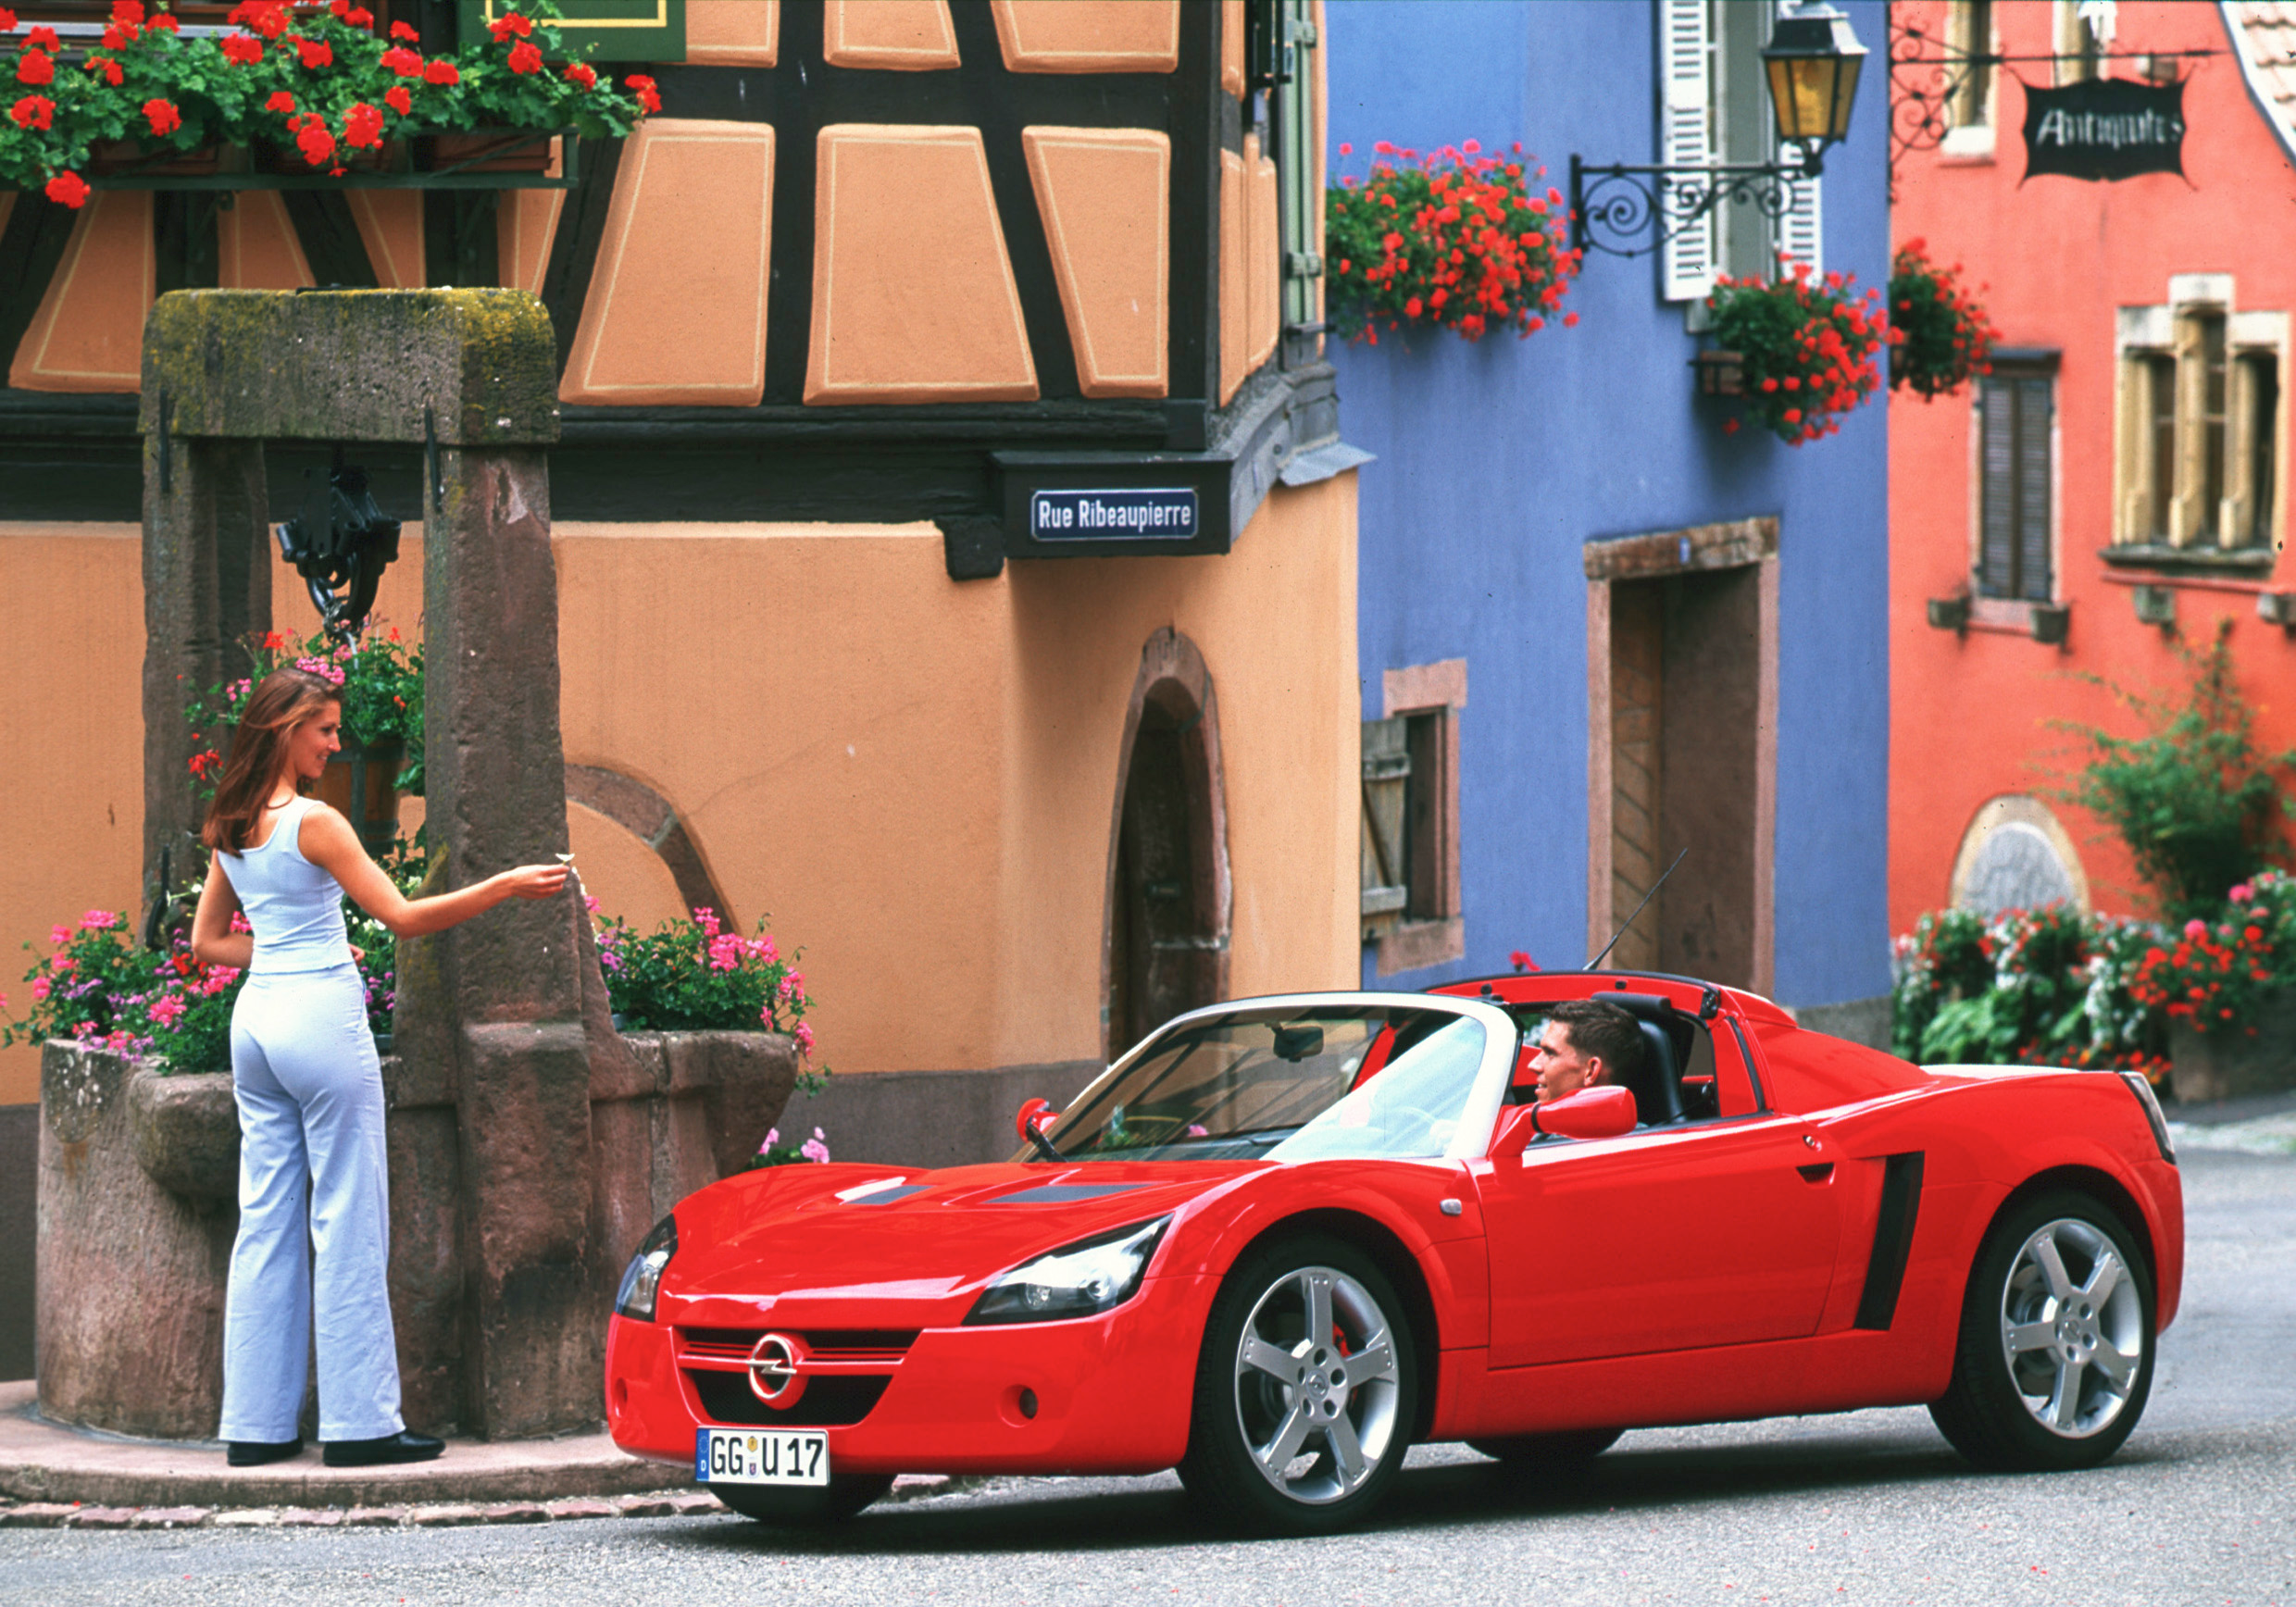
(1601, 1030)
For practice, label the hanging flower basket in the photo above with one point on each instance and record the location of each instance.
(307, 91)
(1455, 239)
(1805, 350)
(1939, 336)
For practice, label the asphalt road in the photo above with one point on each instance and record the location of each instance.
(2198, 1508)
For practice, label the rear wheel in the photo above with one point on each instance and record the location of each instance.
(1305, 1392)
(2055, 1357)
(844, 1495)
(1549, 1452)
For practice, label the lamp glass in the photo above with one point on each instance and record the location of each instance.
(1811, 96)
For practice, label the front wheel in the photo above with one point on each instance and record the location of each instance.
(1306, 1392)
(801, 1507)
(2056, 1356)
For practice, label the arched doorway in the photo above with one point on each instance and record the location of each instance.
(1165, 948)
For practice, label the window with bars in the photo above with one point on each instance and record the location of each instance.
(2203, 431)
(2016, 419)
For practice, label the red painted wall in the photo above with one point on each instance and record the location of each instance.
(1969, 713)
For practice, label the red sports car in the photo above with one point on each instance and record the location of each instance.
(1285, 1238)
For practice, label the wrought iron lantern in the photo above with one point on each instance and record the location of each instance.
(1812, 60)
(1813, 63)
(340, 539)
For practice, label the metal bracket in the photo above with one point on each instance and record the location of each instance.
(1613, 208)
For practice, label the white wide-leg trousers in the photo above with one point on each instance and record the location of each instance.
(310, 1123)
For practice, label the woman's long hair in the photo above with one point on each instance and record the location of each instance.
(281, 701)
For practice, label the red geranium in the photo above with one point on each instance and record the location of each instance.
(316, 144)
(581, 73)
(524, 57)
(508, 24)
(128, 13)
(1806, 347)
(397, 98)
(243, 49)
(362, 126)
(68, 189)
(163, 116)
(34, 111)
(8, 20)
(164, 23)
(35, 68)
(649, 97)
(280, 101)
(42, 39)
(441, 72)
(403, 62)
(105, 67)
(266, 18)
(314, 54)
(402, 31)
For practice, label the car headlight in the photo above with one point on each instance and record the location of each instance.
(642, 1279)
(1077, 1280)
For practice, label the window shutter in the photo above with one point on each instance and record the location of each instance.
(1386, 846)
(2032, 436)
(1800, 232)
(1686, 263)
(1997, 495)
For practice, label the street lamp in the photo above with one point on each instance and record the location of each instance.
(1812, 62)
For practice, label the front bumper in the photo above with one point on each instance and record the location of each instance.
(1112, 1393)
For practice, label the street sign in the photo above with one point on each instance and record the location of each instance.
(1159, 515)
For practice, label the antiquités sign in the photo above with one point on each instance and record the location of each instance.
(2105, 128)
(1125, 516)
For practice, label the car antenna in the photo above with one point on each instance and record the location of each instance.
(1637, 910)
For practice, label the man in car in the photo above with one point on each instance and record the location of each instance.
(1586, 1043)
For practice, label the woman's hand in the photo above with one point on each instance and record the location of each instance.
(535, 881)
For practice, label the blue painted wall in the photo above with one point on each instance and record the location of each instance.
(1498, 461)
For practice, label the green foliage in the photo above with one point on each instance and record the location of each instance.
(91, 987)
(2048, 987)
(2195, 802)
(695, 977)
(1807, 345)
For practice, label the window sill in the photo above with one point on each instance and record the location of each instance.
(2171, 560)
(1969, 146)
(1415, 945)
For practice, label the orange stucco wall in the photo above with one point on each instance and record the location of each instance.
(913, 779)
(2056, 257)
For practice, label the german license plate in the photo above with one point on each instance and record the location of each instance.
(755, 1456)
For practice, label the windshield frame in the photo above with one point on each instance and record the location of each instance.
(1478, 1113)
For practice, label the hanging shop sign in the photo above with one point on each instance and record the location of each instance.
(2105, 128)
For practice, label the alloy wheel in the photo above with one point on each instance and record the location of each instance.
(1317, 1389)
(2072, 1328)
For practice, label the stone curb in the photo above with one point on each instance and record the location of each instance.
(664, 1503)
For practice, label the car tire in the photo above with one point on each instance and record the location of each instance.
(802, 1508)
(2055, 1361)
(1556, 1453)
(1337, 1408)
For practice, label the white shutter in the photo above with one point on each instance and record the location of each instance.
(1686, 262)
(1800, 232)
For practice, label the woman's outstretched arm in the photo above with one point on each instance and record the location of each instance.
(328, 842)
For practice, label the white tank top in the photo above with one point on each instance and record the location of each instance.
(295, 908)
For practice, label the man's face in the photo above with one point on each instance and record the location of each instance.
(1563, 1070)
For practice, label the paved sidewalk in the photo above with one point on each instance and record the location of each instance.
(46, 1462)
(2260, 1125)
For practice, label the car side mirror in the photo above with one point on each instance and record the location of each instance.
(1592, 1112)
(1034, 1115)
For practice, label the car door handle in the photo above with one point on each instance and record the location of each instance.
(1820, 1173)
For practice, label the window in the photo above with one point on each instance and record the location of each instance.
(2202, 430)
(1717, 109)
(1281, 39)
(2083, 30)
(2017, 412)
(1410, 854)
(1968, 45)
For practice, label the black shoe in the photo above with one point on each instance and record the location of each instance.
(255, 1452)
(399, 1447)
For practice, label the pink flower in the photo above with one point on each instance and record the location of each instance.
(804, 1039)
(59, 934)
(2196, 927)
(773, 1137)
(39, 988)
(168, 1009)
(2241, 893)
(725, 952)
(814, 1149)
(98, 921)
(706, 919)
(239, 921)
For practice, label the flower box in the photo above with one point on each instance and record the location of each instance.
(2208, 1066)
(128, 158)
(486, 151)
(1720, 373)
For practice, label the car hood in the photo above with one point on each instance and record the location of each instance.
(885, 1247)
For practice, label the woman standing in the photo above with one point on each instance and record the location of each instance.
(309, 1087)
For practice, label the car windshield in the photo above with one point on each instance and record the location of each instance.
(1291, 1083)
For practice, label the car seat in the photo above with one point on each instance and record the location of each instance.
(1657, 1086)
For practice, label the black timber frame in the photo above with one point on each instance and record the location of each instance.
(966, 467)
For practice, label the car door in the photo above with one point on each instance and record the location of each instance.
(1709, 1233)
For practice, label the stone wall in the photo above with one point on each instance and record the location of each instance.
(137, 1210)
